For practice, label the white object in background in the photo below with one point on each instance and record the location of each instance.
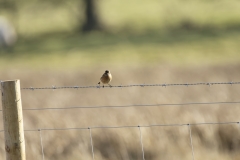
(8, 34)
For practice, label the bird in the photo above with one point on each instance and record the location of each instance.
(106, 78)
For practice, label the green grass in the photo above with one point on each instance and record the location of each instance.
(155, 14)
(137, 33)
(175, 48)
(137, 16)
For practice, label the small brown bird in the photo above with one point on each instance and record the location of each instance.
(106, 78)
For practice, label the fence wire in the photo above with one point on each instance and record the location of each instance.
(119, 127)
(53, 87)
(141, 141)
(41, 140)
(91, 140)
(132, 126)
(191, 143)
(133, 105)
(125, 106)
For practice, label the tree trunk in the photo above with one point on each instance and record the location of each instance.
(91, 17)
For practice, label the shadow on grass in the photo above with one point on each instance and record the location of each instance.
(63, 42)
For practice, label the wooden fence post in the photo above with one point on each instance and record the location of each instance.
(13, 120)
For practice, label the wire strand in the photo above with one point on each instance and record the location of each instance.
(133, 126)
(131, 85)
(40, 133)
(90, 134)
(141, 141)
(190, 136)
(134, 105)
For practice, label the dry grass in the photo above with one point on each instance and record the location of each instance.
(210, 141)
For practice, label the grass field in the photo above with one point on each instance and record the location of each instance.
(167, 41)
(166, 32)
(184, 48)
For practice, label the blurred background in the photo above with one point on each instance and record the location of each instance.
(71, 43)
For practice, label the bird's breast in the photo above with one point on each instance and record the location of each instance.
(106, 78)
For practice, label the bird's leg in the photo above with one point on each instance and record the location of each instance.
(103, 86)
(109, 85)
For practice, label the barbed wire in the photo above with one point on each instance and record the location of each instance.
(134, 105)
(132, 126)
(125, 106)
(131, 85)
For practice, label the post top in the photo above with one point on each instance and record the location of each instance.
(9, 80)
